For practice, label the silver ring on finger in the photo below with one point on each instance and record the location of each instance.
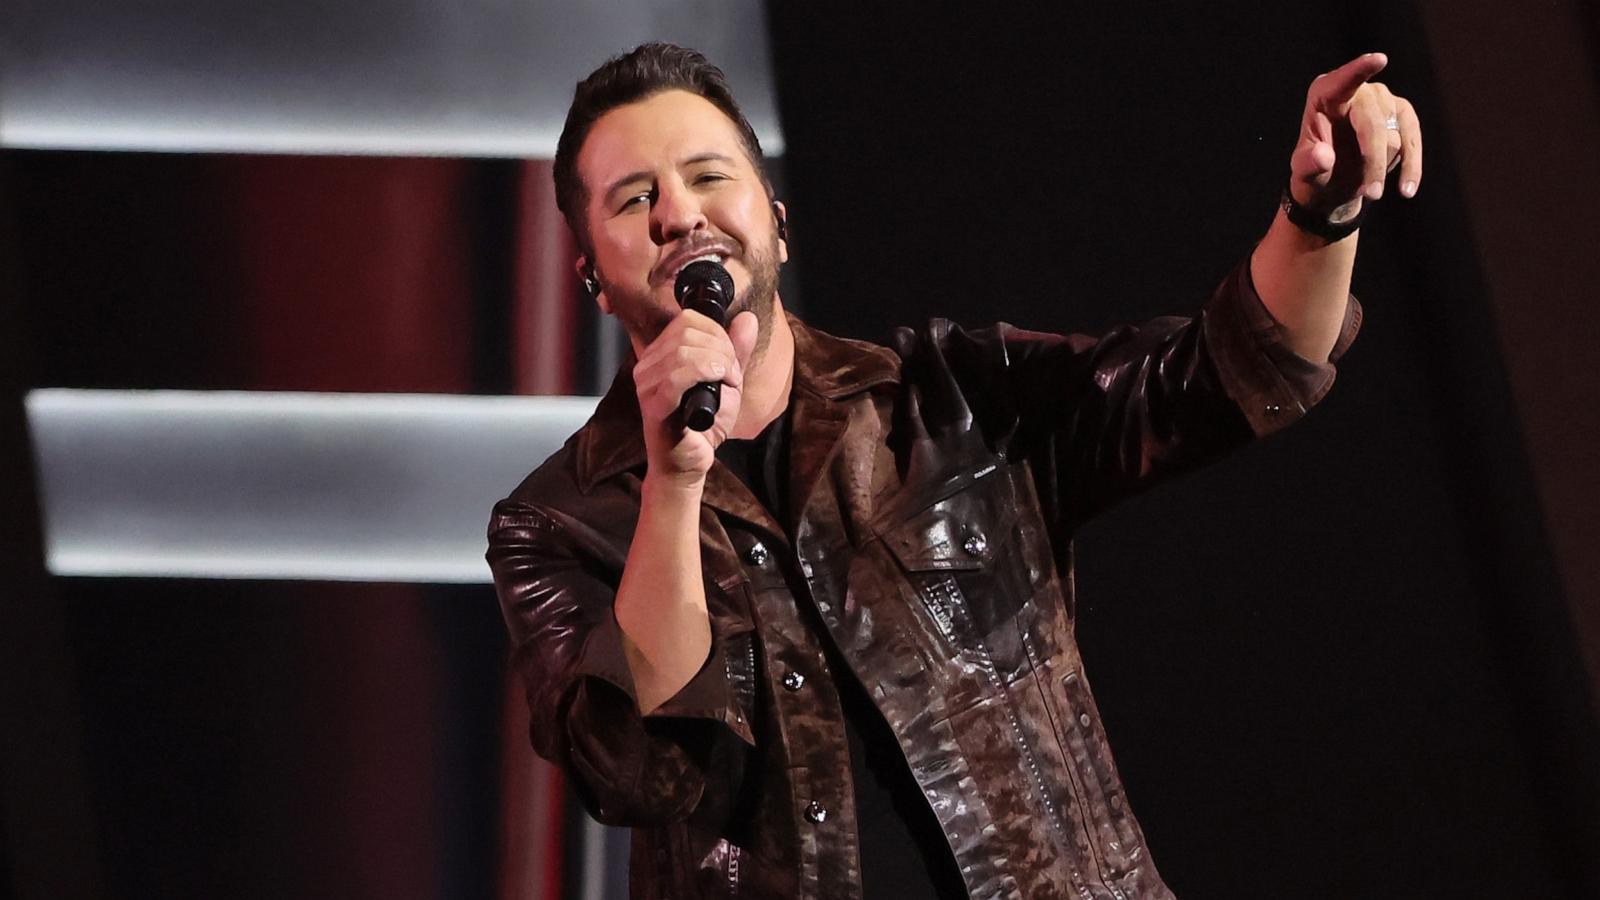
(1392, 123)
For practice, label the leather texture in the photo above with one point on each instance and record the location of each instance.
(935, 488)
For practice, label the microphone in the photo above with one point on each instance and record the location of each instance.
(705, 287)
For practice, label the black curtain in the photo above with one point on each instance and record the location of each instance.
(1337, 664)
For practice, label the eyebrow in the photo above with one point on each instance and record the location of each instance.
(708, 156)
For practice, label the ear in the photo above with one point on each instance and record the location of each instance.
(591, 283)
(781, 214)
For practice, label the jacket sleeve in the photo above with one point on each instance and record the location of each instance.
(1102, 418)
(557, 600)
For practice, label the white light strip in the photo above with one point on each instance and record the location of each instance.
(239, 484)
(259, 404)
(326, 567)
(293, 140)
(286, 140)
(465, 78)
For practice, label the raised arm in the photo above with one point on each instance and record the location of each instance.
(1353, 132)
(661, 602)
(627, 684)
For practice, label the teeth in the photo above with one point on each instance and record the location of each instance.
(714, 257)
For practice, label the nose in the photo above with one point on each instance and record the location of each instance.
(676, 213)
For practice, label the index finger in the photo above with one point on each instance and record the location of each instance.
(699, 321)
(707, 326)
(1342, 83)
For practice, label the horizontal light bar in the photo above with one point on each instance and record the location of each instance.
(228, 484)
(466, 78)
(286, 139)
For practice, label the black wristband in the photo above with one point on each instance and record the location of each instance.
(1312, 222)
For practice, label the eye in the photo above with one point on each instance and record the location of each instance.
(708, 177)
(633, 201)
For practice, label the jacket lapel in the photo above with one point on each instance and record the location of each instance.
(727, 494)
(830, 375)
(818, 426)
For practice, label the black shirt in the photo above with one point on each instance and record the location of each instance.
(903, 850)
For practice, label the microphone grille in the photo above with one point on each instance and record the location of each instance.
(708, 273)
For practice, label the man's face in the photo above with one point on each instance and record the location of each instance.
(670, 182)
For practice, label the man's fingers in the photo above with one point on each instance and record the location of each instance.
(690, 327)
(1372, 135)
(661, 359)
(672, 370)
(1321, 127)
(1410, 146)
(1386, 132)
(742, 333)
(1309, 169)
(1340, 85)
(719, 360)
(693, 349)
(727, 413)
(693, 365)
(1387, 106)
(690, 320)
(686, 328)
(1312, 161)
(741, 336)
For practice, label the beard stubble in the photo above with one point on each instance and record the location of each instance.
(641, 317)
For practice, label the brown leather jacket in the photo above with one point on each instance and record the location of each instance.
(935, 490)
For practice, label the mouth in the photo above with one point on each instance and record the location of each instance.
(669, 270)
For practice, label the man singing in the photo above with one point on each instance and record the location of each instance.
(825, 648)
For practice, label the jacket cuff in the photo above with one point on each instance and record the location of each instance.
(1271, 384)
(636, 769)
(709, 694)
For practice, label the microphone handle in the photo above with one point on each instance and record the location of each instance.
(700, 403)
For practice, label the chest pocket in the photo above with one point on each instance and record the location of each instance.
(963, 554)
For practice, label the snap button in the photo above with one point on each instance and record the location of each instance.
(793, 681)
(1083, 719)
(1273, 409)
(975, 545)
(816, 812)
(756, 555)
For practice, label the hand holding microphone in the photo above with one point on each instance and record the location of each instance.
(705, 287)
(692, 353)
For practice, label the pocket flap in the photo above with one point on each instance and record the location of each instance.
(961, 532)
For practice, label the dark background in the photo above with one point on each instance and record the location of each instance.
(1340, 663)
(1346, 662)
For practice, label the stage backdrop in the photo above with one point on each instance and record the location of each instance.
(1339, 664)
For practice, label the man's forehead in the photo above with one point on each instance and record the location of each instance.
(665, 129)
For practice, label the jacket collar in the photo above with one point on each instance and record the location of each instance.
(826, 369)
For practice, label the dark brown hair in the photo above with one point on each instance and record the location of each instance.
(637, 75)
